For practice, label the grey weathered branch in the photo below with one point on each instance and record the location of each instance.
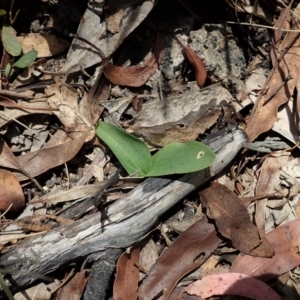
(125, 221)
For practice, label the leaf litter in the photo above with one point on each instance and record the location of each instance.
(158, 102)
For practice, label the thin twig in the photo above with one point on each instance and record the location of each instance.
(15, 95)
(101, 53)
(262, 26)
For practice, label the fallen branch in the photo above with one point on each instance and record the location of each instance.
(125, 221)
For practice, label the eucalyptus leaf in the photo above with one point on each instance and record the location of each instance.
(132, 153)
(26, 60)
(179, 158)
(10, 42)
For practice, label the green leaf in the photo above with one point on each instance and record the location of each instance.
(132, 153)
(10, 42)
(2, 13)
(26, 60)
(5, 288)
(7, 70)
(179, 158)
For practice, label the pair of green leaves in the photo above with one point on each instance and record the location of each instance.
(13, 47)
(175, 158)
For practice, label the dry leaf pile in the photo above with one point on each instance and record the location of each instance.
(165, 71)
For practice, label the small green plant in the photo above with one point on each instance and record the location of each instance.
(12, 45)
(133, 154)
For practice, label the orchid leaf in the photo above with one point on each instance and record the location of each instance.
(175, 158)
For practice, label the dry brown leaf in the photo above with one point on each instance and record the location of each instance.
(196, 62)
(266, 107)
(184, 256)
(137, 75)
(38, 162)
(39, 223)
(46, 45)
(75, 287)
(127, 277)
(285, 240)
(11, 192)
(75, 116)
(233, 221)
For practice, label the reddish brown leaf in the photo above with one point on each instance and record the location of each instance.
(74, 288)
(232, 284)
(137, 75)
(233, 221)
(127, 277)
(196, 62)
(10, 192)
(187, 253)
(285, 240)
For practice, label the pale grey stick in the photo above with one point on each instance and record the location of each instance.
(125, 221)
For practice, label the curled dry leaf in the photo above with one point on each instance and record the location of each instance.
(233, 221)
(266, 107)
(10, 192)
(127, 277)
(74, 115)
(196, 62)
(137, 75)
(285, 240)
(232, 284)
(184, 256)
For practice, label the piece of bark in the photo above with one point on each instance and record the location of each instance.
(124, 222)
